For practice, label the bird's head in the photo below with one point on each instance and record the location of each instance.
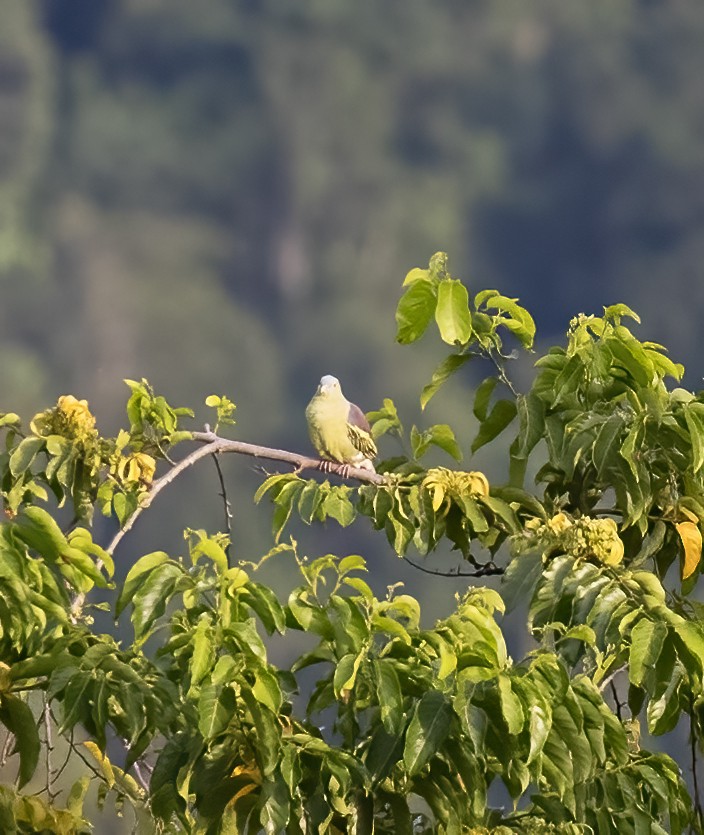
(329, 385)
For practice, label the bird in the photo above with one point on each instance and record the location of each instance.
(339, 430)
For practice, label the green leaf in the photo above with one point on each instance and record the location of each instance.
(278, 480)
(615, 312)
(531, 416)
(216, 707)
(651, 544)
(266, 689)
(694, 417)
(427, 730)
(346, 673)
(416, 274)
(482, 397)
(388, 688)
(284, 501)
(502, 511)
(77, 794)
(539, 723)
(519, 320)
(415, 310)
(211, 549)
(23, 455)
(452, 312)
(474, 515)
(39, 530)
(520, 579)
(511, 707)
(627, 352)
(692, 638)
(338, 506)
(18, 718)
(275, 810)
(501, 415)
(151, 597)
(262, 600)
(647, 638)
(268, 733)
(440, 435)
(440, 376)
(309, 501)
(607, 444)
(136, 576)
(203, 656)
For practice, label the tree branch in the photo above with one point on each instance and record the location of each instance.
(227, 507)
(481, 571)
(215, 445)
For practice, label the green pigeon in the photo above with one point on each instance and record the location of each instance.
(338, 429)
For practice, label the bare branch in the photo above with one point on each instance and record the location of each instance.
(215, 445)
(480, 571)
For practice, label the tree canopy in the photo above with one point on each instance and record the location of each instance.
(379, 722)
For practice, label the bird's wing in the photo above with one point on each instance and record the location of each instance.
(359, 431)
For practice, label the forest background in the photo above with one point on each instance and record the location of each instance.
(224, 198)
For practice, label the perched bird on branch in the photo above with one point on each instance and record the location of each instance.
(338, 429)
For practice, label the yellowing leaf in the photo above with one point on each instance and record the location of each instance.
(692, 542)
(103, 762)
(438, 497)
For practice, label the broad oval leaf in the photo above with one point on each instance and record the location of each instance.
(501, 415)
(427, 730)
(388, 689)
(150, 600)
(647, 638)
(415, 310)
(452, 312)
(691, 538)
(19, 720)
(135, 577)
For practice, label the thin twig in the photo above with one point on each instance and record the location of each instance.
(214, 445)
(49, 748)
(607, 681)
(617, 701)
(482, 571)
(502, 374)
(141, 779)
(227, 506)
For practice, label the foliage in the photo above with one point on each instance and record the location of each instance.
(404, 727)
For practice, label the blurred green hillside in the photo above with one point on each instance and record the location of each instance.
(225, 197)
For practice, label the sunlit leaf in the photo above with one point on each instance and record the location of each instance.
(452, 312)
(415, 310)
(442, 373)
(691, 538)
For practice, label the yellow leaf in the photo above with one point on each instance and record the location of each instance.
(692, 542)
(249, 787)
(479, 483)
(438, 497)
(103, 762)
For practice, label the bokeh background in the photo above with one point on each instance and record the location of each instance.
(225, 197)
